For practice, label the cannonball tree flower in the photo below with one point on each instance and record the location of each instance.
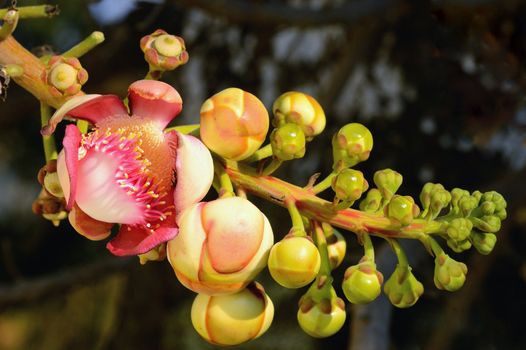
(127, 170)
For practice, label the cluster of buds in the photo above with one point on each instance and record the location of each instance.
(64, 76)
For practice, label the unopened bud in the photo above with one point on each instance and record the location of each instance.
(362, 283)
(64, 76)
(351, 145)
(402, 288)
(388, 182)
(449, 273)
(402, 210)
(288, 142)
(349, 185)
(163, 51)
(300, 109)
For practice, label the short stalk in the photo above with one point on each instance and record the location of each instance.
(39, 11)
(298, 228)
(262, 153)
(324, 184)
(85, 45)
(434, 246)
(154, 75)
(50, 148)
(368, 248)
(400, 254)
(272, 167)
(321, 242)
(10, 20)
(343, 205)
(225, 185)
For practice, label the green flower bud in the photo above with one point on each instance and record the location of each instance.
(349, 185)
(497, 206)
(321, 317)
(388, 182)
(372, 201)
(439, 200)
(362, 283)
(467, 204)
(484, 242)
(456, 195)
(459, 229)
(351, 145)
(288, 142)
(488, 223)
(425, 195)
(336, 247)
(401, 210)
(449, 273)
(402, 288)
(294, 261)
(459, 246)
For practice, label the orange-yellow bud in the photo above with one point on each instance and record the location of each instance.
(221, 246)
(64, 76)
(301, 109)
(234, 123)
(234, 318)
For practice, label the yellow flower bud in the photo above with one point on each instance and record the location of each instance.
(321, 318)
(294, 262)
(64, 76)
(234, 123)
(234, 318)
(301, 109)
(221, 246)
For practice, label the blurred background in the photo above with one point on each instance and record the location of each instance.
(441, 85)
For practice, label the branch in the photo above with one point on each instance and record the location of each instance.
(272, 14)
(276, 191)
(38, 288)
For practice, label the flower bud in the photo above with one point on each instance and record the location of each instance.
(323, 317)
(487, 223)
(288, 142)
(362, 283)
(234, 318)
(426, 193)
(234, 123)
(349, 185)
(294, 261)
(388, 182)
(372, 201)
(221, 246)
(459, 229)
(163, 51)
(402, 288)
(402, 210)
(50, 207)
(449, 274)
(336, 247)
(64, 76)
(484, 242)
(301, 109)
(439, 200)
(351, 145)
(459, 246)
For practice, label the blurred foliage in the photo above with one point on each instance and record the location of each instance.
(439, 83)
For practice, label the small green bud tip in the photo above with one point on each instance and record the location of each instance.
(351, 145)
(484, 242)
(362, 283)
(321, 317)
(388, 182)
(294, 262)
(401, 210)
(450, 274)
(288, 142)
(349, 184)
(402, 288)
(372, 201)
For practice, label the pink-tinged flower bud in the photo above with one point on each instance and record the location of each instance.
(64, 76)
(221, 246)
(294, 261)
(301, 109)
(234, 318)
(234, 123)
(163, 51)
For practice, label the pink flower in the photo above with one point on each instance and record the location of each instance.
(127, 170)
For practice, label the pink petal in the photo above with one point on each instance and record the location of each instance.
(67, 164)
(155, 100)
(194, 170)
(136, 240)
(87, 226)
(100, 195)
(92, 108)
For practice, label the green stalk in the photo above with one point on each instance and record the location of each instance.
(50, 148)
(39, 11)
(226, 189)
(297, 222)
(368, 248)
(85, 45)
(262, 153)
(324, 184)
(400, 254)
(192, 129)
(10, 20)
(272, 167)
